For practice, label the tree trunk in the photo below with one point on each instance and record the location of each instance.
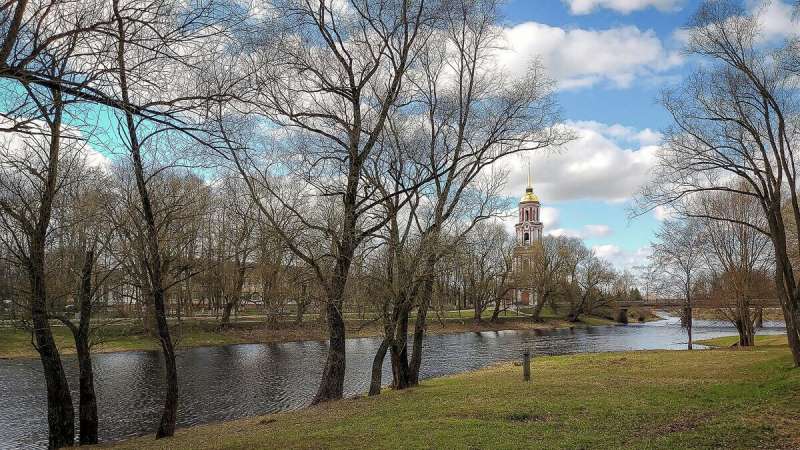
(496, 311)
(399, 351)
(792, 334)
(166, 426)
(301, 310)
(477, 311)
(419, 325)
(759, 320)
(88, 400)
(60, 412)
(687, 317)
(377, 367)
(576, 311)
(331, 386)
(785, 283)
(87, 407)
(226, 314)
(537, 308)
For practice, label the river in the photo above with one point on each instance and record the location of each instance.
(234, 381)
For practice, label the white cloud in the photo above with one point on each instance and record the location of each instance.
(622, 133)
(34, 141)
(597, 230)
(775, 19)
(662, 213)
(550, 217)
(622, 6)
(579, 58)
(607, 251)
(622, 259)
(586, 232)
(594, 166)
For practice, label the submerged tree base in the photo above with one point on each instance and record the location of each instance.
(653, 399)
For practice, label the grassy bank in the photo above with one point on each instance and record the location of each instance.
(715, 314)
(761, 341)
(659, 399)
(16, 343)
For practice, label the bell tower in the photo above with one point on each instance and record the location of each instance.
(529, 232)
(529, 227)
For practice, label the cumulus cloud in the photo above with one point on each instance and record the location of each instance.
(622, 6)
(622, 133)
(578, 58)
(34, 141)
(597, 165)
(776, 20)
(586, 232)
(662, 213)
(622, 259)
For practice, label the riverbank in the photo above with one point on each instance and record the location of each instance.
(722, 398)
(16, 343)
(769, 314)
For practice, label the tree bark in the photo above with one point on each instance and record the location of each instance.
(87, 407)
(226, 314)
(399, 350)
(60, 412)
(420, 324)
(377, 367)
(331, 386)
(687, 317)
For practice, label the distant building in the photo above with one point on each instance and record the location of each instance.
(529, 235)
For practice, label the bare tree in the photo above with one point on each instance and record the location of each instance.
(84, 234)
(486, 268)
(474, 116)
(546, 270)
(679, 254)
(593, 277)
(331, 78)
(733, 126)
(740, 255)
(35, 169)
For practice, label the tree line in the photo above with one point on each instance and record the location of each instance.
(728, 171)
(303, 135)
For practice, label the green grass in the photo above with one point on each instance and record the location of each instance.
(727, 341)
(656, 400)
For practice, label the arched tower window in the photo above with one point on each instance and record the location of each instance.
(526, 238)
(526, 215)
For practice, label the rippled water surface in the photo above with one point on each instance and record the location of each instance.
(220, 383)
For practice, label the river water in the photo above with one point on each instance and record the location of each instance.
(234, 381)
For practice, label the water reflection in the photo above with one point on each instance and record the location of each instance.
(222, 383)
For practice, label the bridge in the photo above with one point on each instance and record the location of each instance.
(697, 303)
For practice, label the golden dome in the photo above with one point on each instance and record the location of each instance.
(529, 196)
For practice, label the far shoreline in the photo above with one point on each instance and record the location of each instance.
(15, 346)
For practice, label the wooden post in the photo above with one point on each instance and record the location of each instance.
(526, 365)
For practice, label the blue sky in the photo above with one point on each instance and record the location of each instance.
(611, 59)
